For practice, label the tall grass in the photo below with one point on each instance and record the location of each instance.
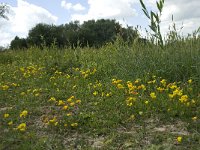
(106, 112)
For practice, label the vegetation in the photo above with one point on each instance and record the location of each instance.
(155, 21)
(3, 10)
(91, 33)
(119, 96)
(74, 88)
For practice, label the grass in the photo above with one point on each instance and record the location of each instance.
(117, 97)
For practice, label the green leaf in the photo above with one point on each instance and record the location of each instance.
(146, 13)
(143, 6)
(159, 6)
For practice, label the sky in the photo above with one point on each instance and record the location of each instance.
(25, 14)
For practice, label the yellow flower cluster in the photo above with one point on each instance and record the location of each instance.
(65, 108)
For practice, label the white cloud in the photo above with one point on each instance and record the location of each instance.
(21, 19)
(186, 14)
(70, 6)
(113, 9)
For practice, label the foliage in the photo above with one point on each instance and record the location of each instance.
(18, 43)
(135, 96)
(91, 33)
(155, 20)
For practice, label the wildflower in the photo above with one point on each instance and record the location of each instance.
(137, 81)
(61, 102)
(52, 120)
(52, 99)
(74, 87)
(67, 76)
(72, 104)
(37, 94)
(132, 117)
(74, 124)
(6, 115)
(190, 81)
(178, 92)
(120, 86)
(65, 107)
(22, 93)
(22, 127)
(160, 89)
(193, 101)
(183, 98)
(56, 123)
(163, 81)
(153, 95)
(78, 101)
(140, 112)
(69, 100)
(171, 96)
(108, 94)
(10, 123)
(194, 118)
(14, 84)
(179, 139)
(115, 81)
(146, 102)
(23, 113)
(5, 87)
(95, 93)
(142, 86)
(69, 114)
(65, 125)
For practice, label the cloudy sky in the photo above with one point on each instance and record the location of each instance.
(25, 14)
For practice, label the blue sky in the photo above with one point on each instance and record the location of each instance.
(25, 14)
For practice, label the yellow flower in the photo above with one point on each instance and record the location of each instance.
(183, 98)
(140, 112)
(163, 81)
(52, 99)
(10, 123)
(146, 102)
(178, 92)
(52, 120)
(74, 124)
(171, 96)
(153, 95)
(22, 93)
(78, 101)
(72, 104)
(194, 118)
(132, 117)
(23, 113)
(69, 100)
(61, 102)
(5, 87)
(65, 125)
(120, 86)
(190, 81)
(160, 89)
(22, 127)
(115, 81)
(179, 139)
(56, 123)
(6, 115)
(137, 81)
(69, 114)
(95, 93)
(65, 107)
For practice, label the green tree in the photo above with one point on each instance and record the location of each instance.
(18, 43)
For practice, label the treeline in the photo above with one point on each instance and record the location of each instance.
(91, 33)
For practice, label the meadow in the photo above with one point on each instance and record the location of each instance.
(120, 96)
